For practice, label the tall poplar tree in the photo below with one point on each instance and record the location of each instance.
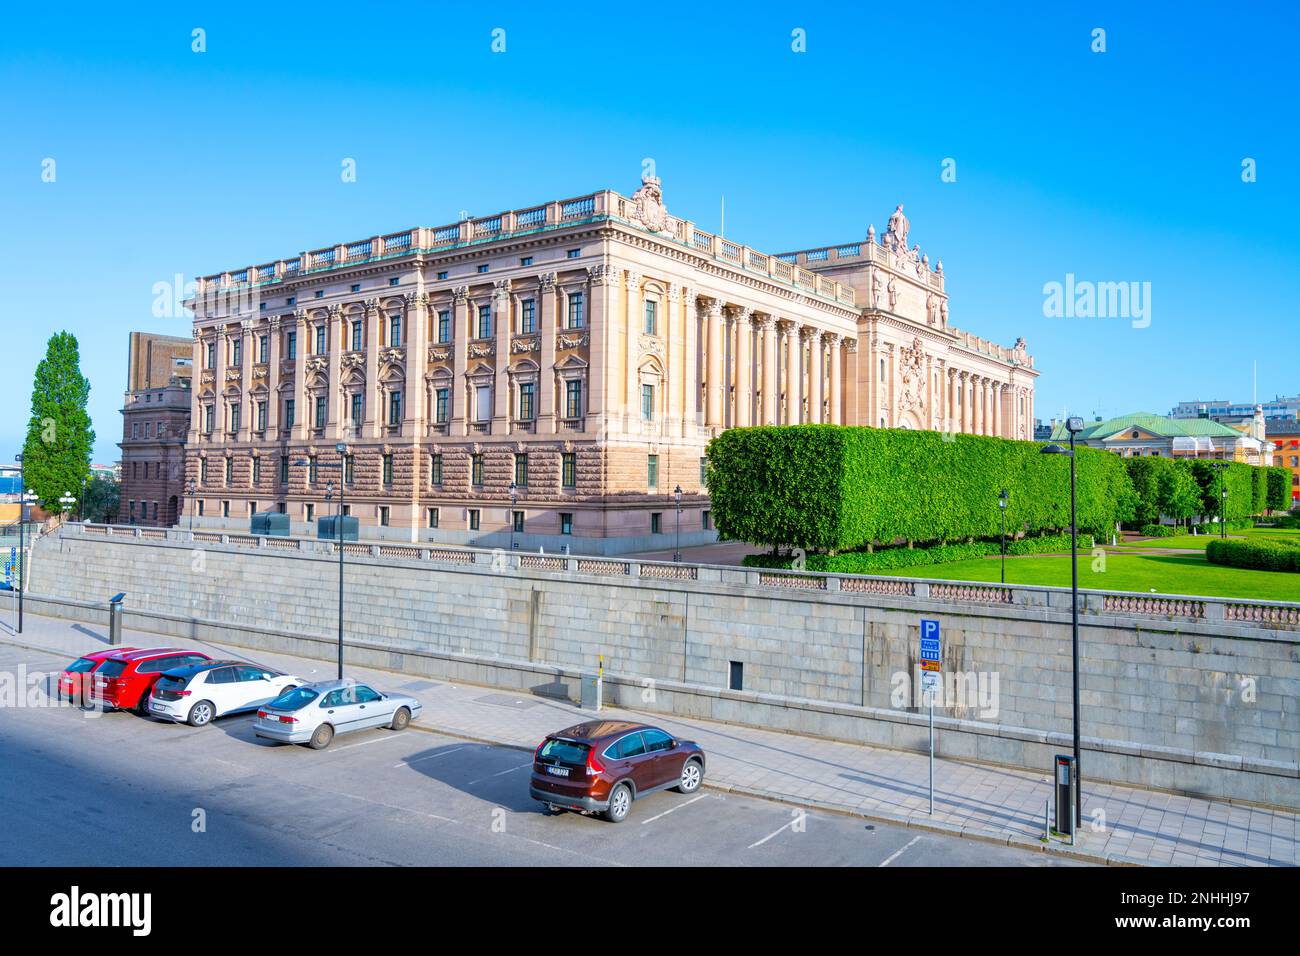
(56, 455)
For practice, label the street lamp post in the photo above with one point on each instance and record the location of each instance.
(342, 449)
(677, 495)
(1073, 426)
(1223, 504)
(22, 535)
(191, 489)
(1002, 507)
(66, 503)
(514, 499)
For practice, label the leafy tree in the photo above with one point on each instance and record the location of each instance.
(102, 500)
(56, 454)
(1279, 488)
(1177, 493)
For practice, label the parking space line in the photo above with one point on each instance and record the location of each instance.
(501, 774)
(770, 835)
(899, 852)
(671, 809)
(377, 740)
(407, 763)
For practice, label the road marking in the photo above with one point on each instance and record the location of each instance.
(671, 809)
(407, 763)
(770, 835)
(501, 774)
(899, 852)
(377, 740)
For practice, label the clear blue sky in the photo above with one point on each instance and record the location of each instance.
(1121, 166)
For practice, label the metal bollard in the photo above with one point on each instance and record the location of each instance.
(115, 618)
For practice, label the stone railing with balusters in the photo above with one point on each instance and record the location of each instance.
(1240, 615)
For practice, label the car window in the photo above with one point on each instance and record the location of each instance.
(630, 746)
(80, 665)
(564, 751)
(111, 668)
(656, 740)
(365, 695)
(294, 699)
(249, 673)
(221, 675)
(189, 659)
(335, 698)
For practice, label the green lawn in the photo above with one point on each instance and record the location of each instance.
(1124, 571)
(1187, 542)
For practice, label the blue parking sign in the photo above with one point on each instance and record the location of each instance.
(931, 647)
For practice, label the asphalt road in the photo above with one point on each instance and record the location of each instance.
(116, 789)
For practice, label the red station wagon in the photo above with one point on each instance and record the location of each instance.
(125, 680)
(75, 680)
(603, 765)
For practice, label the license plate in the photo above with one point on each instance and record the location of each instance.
(154, 705)
(558, 771)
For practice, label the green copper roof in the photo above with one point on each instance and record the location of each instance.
(1155, 424)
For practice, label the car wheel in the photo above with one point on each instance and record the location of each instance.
(692, 777)
(322, 737)
(401, 719)
(552, 809)
(201, 713)
(142, 705)
(620, 802)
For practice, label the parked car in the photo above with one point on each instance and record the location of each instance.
(602, 766)
(200, 692)
(315, 714)
(75, 680)
(125, 678)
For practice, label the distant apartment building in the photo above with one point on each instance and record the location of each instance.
(1285, 437)
(1144, 434)
(552, 375)
(1281, 407)
(155, 423)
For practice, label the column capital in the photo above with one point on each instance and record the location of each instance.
(833, 339)
(707, 305)
(546, 282)
(765, 321)
(809, 332)
(460, 294)
(501, 289)
(602, 274)
(739, 313)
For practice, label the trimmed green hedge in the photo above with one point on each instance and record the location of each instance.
(1255, 554)
(1279, 488)
(889, 559)
(1161, 531)
(843, 488)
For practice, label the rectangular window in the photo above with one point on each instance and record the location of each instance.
(395, 331)
(209, 418)
(442, 399)
(264, 349)
(704, 463)
(572, 253)
(225, 509)
(484, 267)
(526, 405)
(230, 469)
(736, 675)
(483, 403)
(356, 287)
(200, 507)
(527, 316)
(388, 469)
(210, 356)
(135, 429)
(257, 471)
(394, 281)
(432, 518)
(521, 470)
(395, 408)
(442, 275)
(203, 470)
(356, 335)
(320, 340)
(444, 326)
(235, 409)
(569, 469)
(313, 470)
(261, 416)
(526, 261)
(647, 403)
(310, 512)
(651, 318)
(573, 398)
(476, 469)
(652, 471)
(291, 345)
(356, 410)
(575, 318)
(706, 520)
(473, 519)
(383, 516)
(566, 523)
(349, 469)
(236, 351)
(284, 469)
(656, 519)
(289, 406)
(435, 469)
(320, 411)
(148, 429)
(485, 321)
(518, 521)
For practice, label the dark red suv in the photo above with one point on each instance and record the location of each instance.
(603, 765)
(126, 679)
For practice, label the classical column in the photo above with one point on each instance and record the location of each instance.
(334, 346)
(415, 334)
(815, 367)
(952, 424)
(835, 394)
(793, 365)
(771, 390)
(196, 382)
(632, 337)
(273, 378)
(744, 366)
(604, 395)
(502, 412)
(683, 309)
(715, 385)
(245, 380)
(460, 336)
(988, 407)
(302, 342)
(220, 411)
(372, 401)
(963, 403)
(997, 409)
(548, 328)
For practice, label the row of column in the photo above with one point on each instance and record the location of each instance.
(979, 411)
(759, 370)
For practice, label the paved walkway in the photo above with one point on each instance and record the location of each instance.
(1004, 806)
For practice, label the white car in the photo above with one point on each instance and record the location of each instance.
(199, 692)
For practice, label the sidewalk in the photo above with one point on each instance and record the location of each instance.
(987, 803)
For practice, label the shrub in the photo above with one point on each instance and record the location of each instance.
(842, 488)
(1279, 488)
(890, 559)
(1160, 531)
(1255, 554)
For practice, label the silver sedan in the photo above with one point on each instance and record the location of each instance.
(314, 714)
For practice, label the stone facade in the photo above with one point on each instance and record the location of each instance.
(155, 425)
(586, 350)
